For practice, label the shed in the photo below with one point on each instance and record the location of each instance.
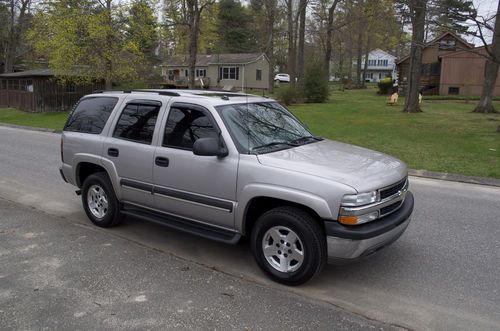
(39, 90)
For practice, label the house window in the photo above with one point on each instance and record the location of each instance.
(447, 44)
(453, 90)
(229, 73)
(258, 74)
(382, 63)
(201, 72)
(186, 73)
(372, 63)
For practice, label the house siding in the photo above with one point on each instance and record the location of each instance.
(464, 71)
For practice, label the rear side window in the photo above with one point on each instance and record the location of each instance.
(185, 126)
(137, 123)
(90, 115)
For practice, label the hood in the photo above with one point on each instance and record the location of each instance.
(358, 167)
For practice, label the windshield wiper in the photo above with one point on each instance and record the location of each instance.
(306, 140)
(276, 143)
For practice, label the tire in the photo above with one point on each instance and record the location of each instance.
(301, 252)
(100, 202)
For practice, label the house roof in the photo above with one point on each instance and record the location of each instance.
(30, 73)
(208, 59)
(477, 50)
(438, 38)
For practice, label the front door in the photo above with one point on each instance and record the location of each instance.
(199, 188)
(130, 148)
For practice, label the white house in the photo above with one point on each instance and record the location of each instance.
(380, 65)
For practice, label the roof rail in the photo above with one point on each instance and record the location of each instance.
(168, 93)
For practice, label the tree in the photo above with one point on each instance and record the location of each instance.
(235, 35)
(417, 9)
(141, 31)
(84, 41)
(485, 104)
(15, 14)
(329, 35)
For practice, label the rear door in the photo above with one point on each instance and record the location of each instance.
(130, 147)
(200, 188)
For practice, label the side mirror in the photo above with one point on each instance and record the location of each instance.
(209, 147)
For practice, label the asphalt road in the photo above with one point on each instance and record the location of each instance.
(442, 274)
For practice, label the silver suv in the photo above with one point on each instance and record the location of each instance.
(227, 165)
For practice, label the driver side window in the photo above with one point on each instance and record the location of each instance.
(185, 126)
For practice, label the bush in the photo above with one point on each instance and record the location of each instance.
(287, 94)
(315, 86)
(385, 86)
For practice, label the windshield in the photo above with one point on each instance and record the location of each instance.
(264, 127)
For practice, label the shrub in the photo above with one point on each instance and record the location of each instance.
(385, 86)
(315, 86)
(287, 94)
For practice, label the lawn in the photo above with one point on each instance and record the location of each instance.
(38, 120)
(446, 137)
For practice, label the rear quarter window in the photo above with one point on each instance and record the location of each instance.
(90, 115)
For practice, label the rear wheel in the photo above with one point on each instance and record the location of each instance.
(289, 245)
(99, 201)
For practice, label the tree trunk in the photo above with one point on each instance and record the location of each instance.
(109, 42)
(359, 57)
(485, 104)
(418, 9)
(367, 53)
(302, 35)
(291, 43)
(329, 36)
(194, 22)
(271, 10)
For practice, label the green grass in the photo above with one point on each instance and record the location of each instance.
(445, 137)
(54, 120)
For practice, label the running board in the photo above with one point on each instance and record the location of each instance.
(182, 224)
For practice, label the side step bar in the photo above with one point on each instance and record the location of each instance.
(178, 223)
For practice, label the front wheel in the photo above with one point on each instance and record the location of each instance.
(289, 245)
(100, 202)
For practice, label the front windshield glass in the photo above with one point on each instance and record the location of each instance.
(263, 127)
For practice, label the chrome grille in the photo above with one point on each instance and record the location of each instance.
(393, 189)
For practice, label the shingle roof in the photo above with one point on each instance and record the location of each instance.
(206, 60)
(30, 73)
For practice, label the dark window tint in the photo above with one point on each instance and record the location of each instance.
(137, 122)
(90, 115)
(185, 126)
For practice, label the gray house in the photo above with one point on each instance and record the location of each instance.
(246, 71)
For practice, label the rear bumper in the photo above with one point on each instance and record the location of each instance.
(352, 242)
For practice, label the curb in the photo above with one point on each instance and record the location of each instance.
(455, 178)
(412, 172)
(30, 128)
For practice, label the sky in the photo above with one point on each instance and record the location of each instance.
(486, 8)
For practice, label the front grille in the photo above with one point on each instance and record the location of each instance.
(393, 189)
(389, 209)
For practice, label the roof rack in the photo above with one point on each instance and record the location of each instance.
(168, 93)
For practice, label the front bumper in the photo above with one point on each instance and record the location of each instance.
(352, 242)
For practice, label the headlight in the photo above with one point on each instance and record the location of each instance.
(353, 200)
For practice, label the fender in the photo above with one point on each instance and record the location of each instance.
(97, 160)
(251, 191)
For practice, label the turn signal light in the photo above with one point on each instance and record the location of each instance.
(348, 220)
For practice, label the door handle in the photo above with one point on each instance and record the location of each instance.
(161, 161)
(113, 152)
